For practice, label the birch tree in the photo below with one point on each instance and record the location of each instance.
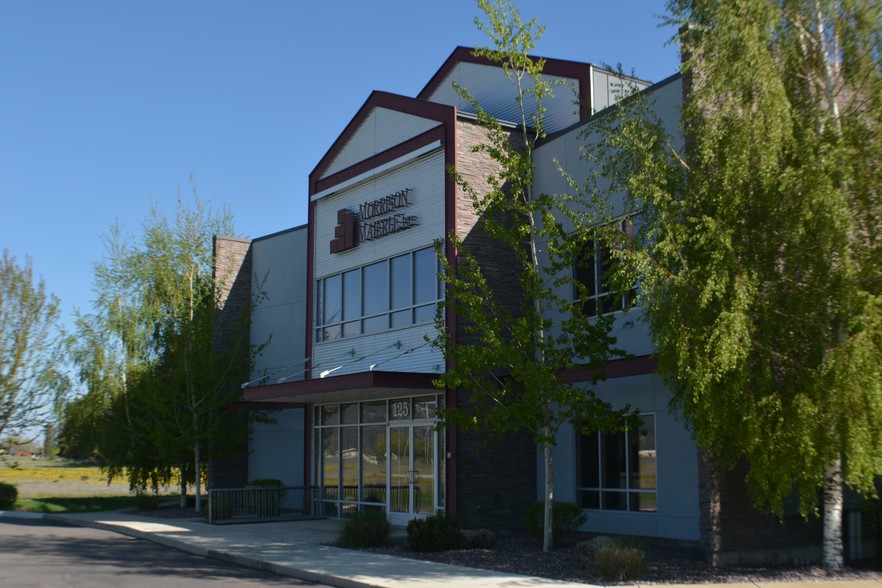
(160, 379)
(512, 359)
(761, 267)
(31, 348)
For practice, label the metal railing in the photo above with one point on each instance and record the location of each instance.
(271, 503)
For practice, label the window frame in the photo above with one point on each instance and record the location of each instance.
(338, 327)
(601, 297)
(623, 498)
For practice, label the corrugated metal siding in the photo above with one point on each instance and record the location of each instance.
(403, 350)
(279, 319)
(425, 176)
(496, 95)
(382, 129)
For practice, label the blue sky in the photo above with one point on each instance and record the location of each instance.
(107, 105)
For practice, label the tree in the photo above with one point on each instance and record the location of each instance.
(512, 358)
(161, 380)
(760, 264)
(31, 381)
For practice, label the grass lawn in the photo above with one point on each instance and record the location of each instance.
(63, 486)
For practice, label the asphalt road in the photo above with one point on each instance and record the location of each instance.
(38, 553)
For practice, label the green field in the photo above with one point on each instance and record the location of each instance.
(63, 486)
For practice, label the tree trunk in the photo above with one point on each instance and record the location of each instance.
(548, 528)
(198, 479)
(183, 500)
(833, 499)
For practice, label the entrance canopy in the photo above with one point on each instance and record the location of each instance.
(346, 388)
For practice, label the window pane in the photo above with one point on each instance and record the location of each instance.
(373, 460)
(331, 333)
(400, 268)
(644, 502)
(401, 318)
(352, 295)
(373, 412)
(330, 465)
(614, 457)
(589, 462)
(375, 324)
(604, 268)
(584, 271)
(425, 276)
(589, 499)
(615, 501)
(349, 460)
(424, 314)
(351, 329)
(330, 414)
(643, 461)
(332, 300)
(424, 407)
(349, 414)
(375, 297)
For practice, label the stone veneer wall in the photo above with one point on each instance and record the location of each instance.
(496, 481)
(232, 279)
(733, 532)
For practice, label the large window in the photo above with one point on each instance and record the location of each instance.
(389, 294)
(352, 459)
(617, 471)
(592, 269)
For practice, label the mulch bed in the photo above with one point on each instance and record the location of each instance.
(665, 563)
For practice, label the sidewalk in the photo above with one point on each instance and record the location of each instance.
(299, 549)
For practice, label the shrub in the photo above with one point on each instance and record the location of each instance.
(566, 517)
(365, 529)
(8, 495)
(478, 538)
(434, 533)
(618, 564)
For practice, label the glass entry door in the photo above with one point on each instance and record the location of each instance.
(411, 492)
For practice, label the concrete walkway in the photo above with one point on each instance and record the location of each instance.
(298, 549)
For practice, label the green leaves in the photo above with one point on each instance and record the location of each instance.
(761, 276)
(157, 378)
(31, 348)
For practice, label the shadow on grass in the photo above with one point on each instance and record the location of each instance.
(76, 503)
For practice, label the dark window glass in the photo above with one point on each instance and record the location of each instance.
(614, 467)
(330, 414)
(424, 407)
(373, 412)
(425, 276)
(617, 471)
(375, 298)
(401, 282)
(352, 295)
(349, 414)
(375, 324)
(332, 300)
(424, 314)
(402, 318)
(590, 461)
(351, 329)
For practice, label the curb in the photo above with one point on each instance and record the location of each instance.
(226, 556)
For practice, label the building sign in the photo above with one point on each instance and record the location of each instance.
(376, 219)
